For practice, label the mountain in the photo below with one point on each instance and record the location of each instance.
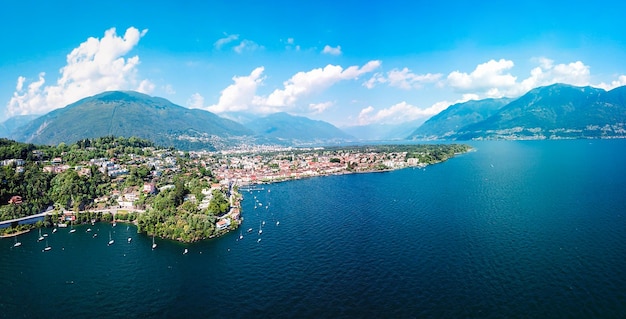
(11, 124)
(127, 113)
(455, 117)
(287, 129)
(555, 111)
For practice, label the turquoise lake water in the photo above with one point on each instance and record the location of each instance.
(514, 229)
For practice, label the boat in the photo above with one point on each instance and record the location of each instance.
(114, 223)
(130, 239)
(185, 251)
(95, 235)
(249, 229)
(88, 230)
(17, 243)
(111, 241)
(47, 248)
(154, 245)
(54, 230)
(263, 223)
(241, 236)
(40, 237)
(277, 223)
(260, 229)
(72, 230)
(258, 240)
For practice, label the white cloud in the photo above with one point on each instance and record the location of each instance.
(316, 80)
(240, 47)
(247, 45)
(398, 113)
(485, 76)
(621, 81)
(240, 95)
(195, 101)
(96, 65)
(492, 79)
(318, 108)
(223, 41)
(404, 79)
(332, 51)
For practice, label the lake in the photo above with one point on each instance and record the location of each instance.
(517, 229)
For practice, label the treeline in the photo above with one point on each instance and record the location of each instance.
(171, 217)
(70, 190)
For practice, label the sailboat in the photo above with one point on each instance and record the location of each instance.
(260, 229)
(111, 241)
(17, 243)
(240, 235)
(154, 245)
(72, 228)
(47, 248)
(54, 230)
(185, 251)
(130, 239)
(40, 237)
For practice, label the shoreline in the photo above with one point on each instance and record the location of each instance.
(15, 234)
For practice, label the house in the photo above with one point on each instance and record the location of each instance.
(149, 188)
(222, 224)
(16, 200)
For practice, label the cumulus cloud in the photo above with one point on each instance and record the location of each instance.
(485, 76)
(404, 79)
(306, 83)
(96, 65)
(240, 95)
(493, 79)
(621, 81)
(398, 113)
(196, 101)
(332, 51)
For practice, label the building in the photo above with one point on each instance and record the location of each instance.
(222, 224)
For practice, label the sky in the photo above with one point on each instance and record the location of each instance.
(345, 62)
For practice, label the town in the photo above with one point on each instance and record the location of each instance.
(163, 190)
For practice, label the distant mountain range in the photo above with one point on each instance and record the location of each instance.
(555, 111)
(127, 113)
(550, 112)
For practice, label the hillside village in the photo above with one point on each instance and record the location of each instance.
(143, 183)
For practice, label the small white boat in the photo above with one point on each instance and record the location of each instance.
(114, 224)
(185, 251)
(54, 230)
(72, 230)
(45, 235)
(258, 240)
(277, 223)
(88, 230)
(95, 235)
(47, 248)
(17, 243)
(111, 241)
(240, 236)
(154, 245)
(40, 237)
(249, 229)
(130, 239)
(263, 223)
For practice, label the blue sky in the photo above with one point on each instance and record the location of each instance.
(345, 62)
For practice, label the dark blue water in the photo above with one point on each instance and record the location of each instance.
(530, 229)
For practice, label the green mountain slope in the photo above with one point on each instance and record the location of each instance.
(132, 114)
(455, 117)
(555, 111)
(288, 129)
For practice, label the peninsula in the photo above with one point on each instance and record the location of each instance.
(184, 196)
